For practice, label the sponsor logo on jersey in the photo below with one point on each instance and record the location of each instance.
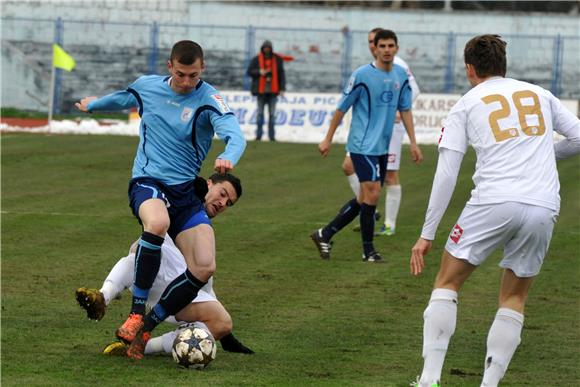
(456, 233)
(221, 103)
(186, 114)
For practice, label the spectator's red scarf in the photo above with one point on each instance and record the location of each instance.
(268, 64)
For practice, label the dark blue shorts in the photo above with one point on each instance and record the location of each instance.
(185, 209)
(369, 168)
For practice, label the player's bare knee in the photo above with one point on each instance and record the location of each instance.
(227, 325)
(371, 193)
(372, 198)
(453, 272)
(347, 167)
(392, 178)
(158, 227)
(220, 326)
(205, 271)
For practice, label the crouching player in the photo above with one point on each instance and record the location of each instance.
(204, 308)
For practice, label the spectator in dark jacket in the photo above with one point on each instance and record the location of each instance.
(268, 81)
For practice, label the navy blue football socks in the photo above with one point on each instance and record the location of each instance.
(367, 227)
(346, 215)
(176, 296)
(147, 262)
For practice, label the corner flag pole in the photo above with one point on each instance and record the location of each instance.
(62, 60)
(51, 97)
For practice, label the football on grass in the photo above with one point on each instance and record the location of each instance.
(194, 347)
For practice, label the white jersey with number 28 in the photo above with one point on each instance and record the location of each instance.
(510, 125)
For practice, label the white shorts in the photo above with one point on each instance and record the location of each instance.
(172, 265)
(205, 294)
(524, 231)
(395, 147)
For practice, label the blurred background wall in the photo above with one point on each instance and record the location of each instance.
(114, 42)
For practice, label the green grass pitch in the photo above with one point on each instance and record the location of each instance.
(65, 222)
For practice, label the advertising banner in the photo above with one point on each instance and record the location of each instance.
(305, 117)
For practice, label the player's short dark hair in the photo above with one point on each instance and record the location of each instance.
(486, 53)
(375, 30)
(233, 180)
(385, 34)
(186, 52)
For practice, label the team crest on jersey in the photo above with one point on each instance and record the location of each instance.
(456, 233)
(221, 103)
(186, 114)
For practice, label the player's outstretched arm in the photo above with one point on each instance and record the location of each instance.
(83, 104)
(118, 100)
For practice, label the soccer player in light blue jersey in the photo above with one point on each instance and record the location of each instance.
(375, 92)
(180, 114)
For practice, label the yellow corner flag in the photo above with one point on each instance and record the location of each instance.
(61, 59)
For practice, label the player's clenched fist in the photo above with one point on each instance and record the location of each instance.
(223, 166)
(84, 103)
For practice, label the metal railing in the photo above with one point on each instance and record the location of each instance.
(110, 55)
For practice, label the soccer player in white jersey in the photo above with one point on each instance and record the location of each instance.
(393, 192)
(204, 308)
(513, 206)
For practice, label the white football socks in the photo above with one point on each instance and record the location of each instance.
(119, 279)
(392, 204)
(502, 341)
(439, 325)
(354, 183)
(157, 344)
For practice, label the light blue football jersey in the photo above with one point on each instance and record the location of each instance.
(375, 96)
(176, 129)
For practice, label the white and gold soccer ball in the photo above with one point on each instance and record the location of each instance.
(194, 346)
